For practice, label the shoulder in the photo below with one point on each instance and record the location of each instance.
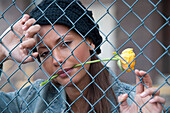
(14, 99)
(34, 86)
(32, 89)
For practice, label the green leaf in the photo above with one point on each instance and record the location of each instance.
(119, 65)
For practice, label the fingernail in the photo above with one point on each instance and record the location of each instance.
(124, 95)
(143, 94)
(122, 98)
(24, 27)
(24, 18)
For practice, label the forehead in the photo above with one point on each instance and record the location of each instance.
(52, 31)
(49, 33)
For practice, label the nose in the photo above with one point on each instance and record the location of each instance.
(57, 57)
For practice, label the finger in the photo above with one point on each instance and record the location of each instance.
(146, 79)
(139, 87)
(157, 99)
(24, 18)
(28, 23)
(19, 25)
(123, 100)
(30, 58)
(150, 91)
(30, 43)
(32, 31)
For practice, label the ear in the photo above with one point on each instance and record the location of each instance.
(92, 46)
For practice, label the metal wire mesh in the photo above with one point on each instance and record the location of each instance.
(119, 28)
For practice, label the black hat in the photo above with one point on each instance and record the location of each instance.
(70, 13)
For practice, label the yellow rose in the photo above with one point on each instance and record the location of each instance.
(128, 56)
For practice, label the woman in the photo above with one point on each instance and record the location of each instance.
(68, 36)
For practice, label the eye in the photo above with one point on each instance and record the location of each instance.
(66, 43)
(44, 54)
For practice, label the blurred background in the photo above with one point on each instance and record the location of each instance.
(143, 25)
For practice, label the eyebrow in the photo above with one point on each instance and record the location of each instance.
(57, 41)
(62, 37)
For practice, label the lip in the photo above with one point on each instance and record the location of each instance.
(63, 74)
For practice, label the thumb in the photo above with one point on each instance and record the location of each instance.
(123, 102)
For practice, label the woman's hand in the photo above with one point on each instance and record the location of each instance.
(143, 94)
(17, 47)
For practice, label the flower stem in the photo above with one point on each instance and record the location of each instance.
(48, 80)
(94, 61)
(89, 62)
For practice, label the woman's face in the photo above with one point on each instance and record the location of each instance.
(62, 45)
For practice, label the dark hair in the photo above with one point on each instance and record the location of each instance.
(103, 81)
(70, 13)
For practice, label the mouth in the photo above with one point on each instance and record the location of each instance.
(63, 73)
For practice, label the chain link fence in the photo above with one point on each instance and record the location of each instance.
(139, 24)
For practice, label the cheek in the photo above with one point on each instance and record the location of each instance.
(47, 66)
(82, 53)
